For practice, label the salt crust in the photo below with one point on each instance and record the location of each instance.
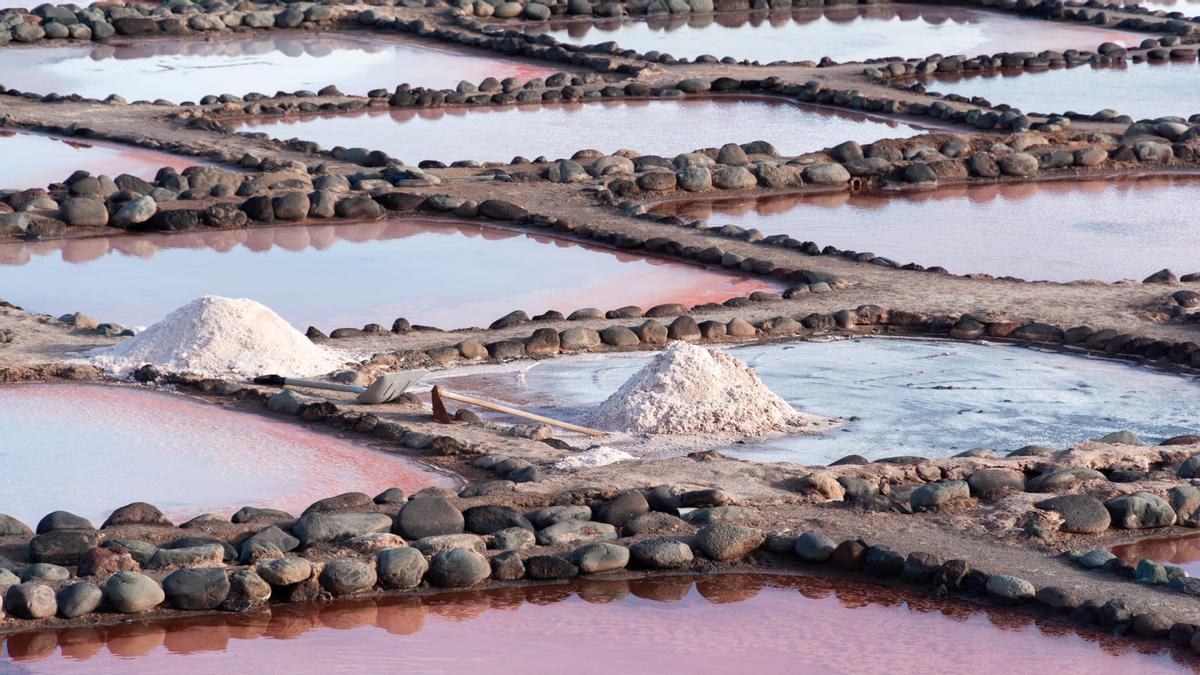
(689, 390)
(214, 336)
(590, 459)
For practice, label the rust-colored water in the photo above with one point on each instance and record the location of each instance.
(721, 624)
(1054, 230)
(1182, 551)
(89, 449)
(846, 32)
(47, 159)
(433, 272)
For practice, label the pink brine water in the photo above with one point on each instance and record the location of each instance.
(89, 449)
(721, 624)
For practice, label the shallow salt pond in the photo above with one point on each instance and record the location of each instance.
(559, 130)
(1057, 231)
(1182, 551)
(48, 159)
(930, 398)
(179, 70)
(433, 272)
(1140, 90)
(784, 624)
(843, 33)
(89, 449)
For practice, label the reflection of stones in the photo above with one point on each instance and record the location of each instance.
(291, 47)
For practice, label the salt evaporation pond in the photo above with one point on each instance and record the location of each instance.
(179, 70)
(1057, 231)
(929, 398)
(499, 133)
(89, 449)
(843, 33)
(48, 159)
(1182, 551)
(439, 273)
(1142, 90)
(784, 624)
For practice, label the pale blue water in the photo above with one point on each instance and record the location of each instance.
(558, 130)
(843, 33)
(914, 397)
(1140, 90)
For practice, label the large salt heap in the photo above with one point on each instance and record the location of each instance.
(687, 390)
(215, 336)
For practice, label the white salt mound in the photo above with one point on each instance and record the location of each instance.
(588, 459)
(215, 336)
(689, 390)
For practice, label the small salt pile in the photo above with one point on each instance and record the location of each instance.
(590, 459)
(688, 390)
(214, 337)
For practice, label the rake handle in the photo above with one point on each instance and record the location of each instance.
(442, 393)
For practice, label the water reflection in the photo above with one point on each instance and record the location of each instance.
(187, 70)
(1181, 550)
(843, 33)
(682, 625)
(1147, 90)
(48, 159)
(558, 130)
(89, 449)
(1053, 230)
(446, 274)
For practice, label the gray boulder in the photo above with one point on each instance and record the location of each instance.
(130, 592)
(284, 571)
(61, 547)
(11, 527)
(490, 518)
(933, 495)
(600, 557)
(575, 532)
(1009, 590)
(814, 547)
(135, 212)
(513, 539)
(30, 600)
(429, 516)
(79, 599)
(432, 546)
(994, 483)
(45, 572)
(204, 555)
(458, 568)
(621, 508)
(267, 542)
(661, 553)
(84, 212)
(347, 576)
(1081, 514)
(1185, 499)
(247, 590)
(251, 514)
(321, 528)
(1140, 510)
(725, 541)
(551, 515)
(196, 589)
(63, 520)
(400, 567)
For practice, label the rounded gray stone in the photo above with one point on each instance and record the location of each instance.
(402, 567)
